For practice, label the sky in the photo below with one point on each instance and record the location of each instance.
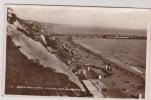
(122, 18)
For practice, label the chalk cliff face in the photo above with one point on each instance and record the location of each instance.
(31, 39)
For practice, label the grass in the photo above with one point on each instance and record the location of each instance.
(23, 72)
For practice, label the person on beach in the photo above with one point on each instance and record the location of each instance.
(108, 67)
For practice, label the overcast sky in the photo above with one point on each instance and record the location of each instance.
(85, 16)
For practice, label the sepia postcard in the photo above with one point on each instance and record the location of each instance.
(76, 51)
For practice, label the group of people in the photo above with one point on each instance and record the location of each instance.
(108, 67)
